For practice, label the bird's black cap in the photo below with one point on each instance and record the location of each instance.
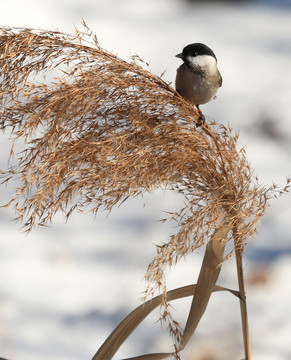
(195, 50)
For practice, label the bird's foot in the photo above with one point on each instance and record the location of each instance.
(201, 119)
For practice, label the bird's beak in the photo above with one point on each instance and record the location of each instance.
(179, 56)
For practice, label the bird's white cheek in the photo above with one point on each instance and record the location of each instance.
(203, 61)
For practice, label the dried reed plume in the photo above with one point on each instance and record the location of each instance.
(98, 130)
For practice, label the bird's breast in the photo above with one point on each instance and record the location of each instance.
(197, 86)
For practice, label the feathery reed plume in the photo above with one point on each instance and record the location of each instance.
(98, 130)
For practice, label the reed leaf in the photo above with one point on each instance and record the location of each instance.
(208, 276)
(127, 326)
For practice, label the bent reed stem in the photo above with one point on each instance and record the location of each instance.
(243, 303)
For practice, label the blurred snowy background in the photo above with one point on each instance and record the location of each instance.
(63, 289)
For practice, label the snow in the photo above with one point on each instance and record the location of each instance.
(63, 289)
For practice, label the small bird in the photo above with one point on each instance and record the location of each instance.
(198, 78)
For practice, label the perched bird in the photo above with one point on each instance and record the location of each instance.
(198, 78)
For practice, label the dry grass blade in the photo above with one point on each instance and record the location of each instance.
(208, 276)
(127, 326)
(151, 357)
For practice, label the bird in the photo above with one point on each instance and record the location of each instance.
(198, 78)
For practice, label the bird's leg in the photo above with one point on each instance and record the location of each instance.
(201, 119)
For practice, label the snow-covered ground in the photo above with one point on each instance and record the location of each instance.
(64, 288)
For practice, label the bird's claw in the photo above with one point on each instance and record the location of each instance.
(201, 119)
